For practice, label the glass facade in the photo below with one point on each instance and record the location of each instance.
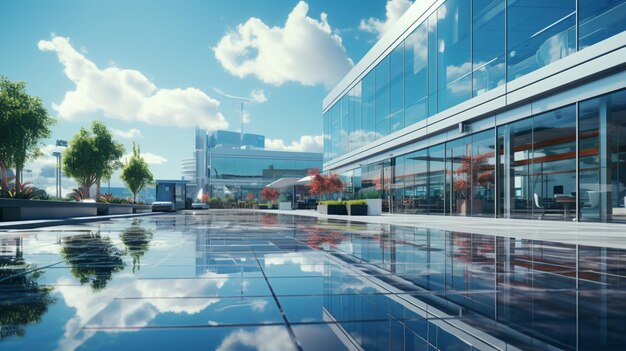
(237, 173)
(464, 49)
(229, 167)
(539, 167)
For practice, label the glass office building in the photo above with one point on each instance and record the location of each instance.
(231, 165)
(495, 108)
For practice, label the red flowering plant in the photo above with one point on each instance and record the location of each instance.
(472, 170)
(321, 184)
(269, 194)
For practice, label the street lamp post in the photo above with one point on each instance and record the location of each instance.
(59, 174)
(57, 179)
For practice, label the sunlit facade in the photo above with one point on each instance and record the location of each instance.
(512, 109)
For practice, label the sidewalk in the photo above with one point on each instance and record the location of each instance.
(581, 233)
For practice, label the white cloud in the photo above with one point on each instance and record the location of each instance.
(308, 263)
(258, 96)
(305, 50)
(127, 94)
(132, 133)
(394, 9)
(246, 117)
(261, 339)
(309, 143)
(150, 158)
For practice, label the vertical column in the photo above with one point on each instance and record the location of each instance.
(604, 201)
(508, 183)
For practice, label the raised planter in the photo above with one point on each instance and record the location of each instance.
(19, 210)
(332, 209)
(284, 206)
(357, 210)
(374, 207)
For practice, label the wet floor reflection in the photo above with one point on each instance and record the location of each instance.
(271, 282)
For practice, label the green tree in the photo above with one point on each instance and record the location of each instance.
(92, 258)
(24, 122)
(136, 174)
(92, 156)
(137, 240)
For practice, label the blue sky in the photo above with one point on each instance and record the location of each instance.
(151, 70)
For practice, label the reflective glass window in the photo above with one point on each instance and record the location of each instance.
(458, 154)
(416, 75)
(382, 97)
(325, 135)
(454, 58)
(602, 160)
(368, 106)
(432, 64)
(482, 169)
(599, 19)
(436, 200)
(396, 88)
(335, 130)
(554, 164)
(539, 32)
(344, 145)
(488, 45)
(356, 138)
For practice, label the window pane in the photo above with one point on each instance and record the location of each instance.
(454, 59)
(432, 64)
(416, 75)
(482, 174)
(539, 32)
(345, 125)
(396, 82)
(436, 179)
(382, 97)
(602, 160)
(369, 112)
(357, 134)
(599, 19)
(554, 164)
(488, 45)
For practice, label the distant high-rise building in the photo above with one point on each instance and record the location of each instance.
(227, 164)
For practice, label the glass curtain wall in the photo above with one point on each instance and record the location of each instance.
(602, 160)
(539, 32)
(537, 163)
(437, 195)
(454, 60)
(533, 161)
(464, 49)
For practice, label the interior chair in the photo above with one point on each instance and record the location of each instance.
(539, 206)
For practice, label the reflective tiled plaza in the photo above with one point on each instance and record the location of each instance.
(245, 280)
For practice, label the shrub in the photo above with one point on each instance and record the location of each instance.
(109, 198)
(26, 192)
(356, 202)
(332, 202)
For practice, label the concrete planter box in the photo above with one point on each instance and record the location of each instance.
(19, 210)
(115, 209)
(332, 209)
(357, 210)
(374, 207)
(284, 206)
